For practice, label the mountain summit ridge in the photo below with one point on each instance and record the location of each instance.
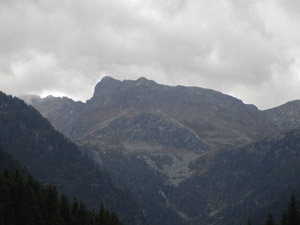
(213, 116)
(190, 154)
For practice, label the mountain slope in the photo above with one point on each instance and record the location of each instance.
(286, 116)
(215, 119)
(237, 183)
(182, 149)
(9, 163)
(158, 121)
(52, 158)
(26, 201)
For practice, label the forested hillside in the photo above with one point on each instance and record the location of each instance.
(52, 158)
(26, 201)
(289, 216)
(23, 200)
(8, 162)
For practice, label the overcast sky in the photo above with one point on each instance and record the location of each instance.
(246, 48)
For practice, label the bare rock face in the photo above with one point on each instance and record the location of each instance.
(143, 117)
(286, 116)
(166, 142)
(61, 112)
(215, 118)
(135, 114)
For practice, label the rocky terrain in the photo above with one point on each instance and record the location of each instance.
(173, 123)
(178, 149)
(215, 118)
(286, 116)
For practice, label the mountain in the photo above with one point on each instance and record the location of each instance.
(286, 116)
(174, 123)
(190, 155)
(52, 158)
(211, 117)
(248, 181)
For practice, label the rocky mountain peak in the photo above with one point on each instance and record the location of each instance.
(144, 81)
(109, 88)
(139, 129)
(216, 119)
(106, 87)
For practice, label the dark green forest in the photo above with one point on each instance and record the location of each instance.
(24, 201)
(27, 202)
(52, 158)
(290, 216)
(8, 162)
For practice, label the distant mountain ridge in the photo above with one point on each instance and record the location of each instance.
(144, 117)
(214, 117)
(185, 151)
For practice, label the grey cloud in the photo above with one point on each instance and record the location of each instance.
(292, 6)
(232, 46)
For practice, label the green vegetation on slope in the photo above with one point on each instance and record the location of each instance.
(290, 216)
(51, 158)
(27, 202)
(8, 162)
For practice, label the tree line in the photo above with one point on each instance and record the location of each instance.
(24, 201)
(290, 216)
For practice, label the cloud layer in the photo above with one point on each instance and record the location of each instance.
(249, 49)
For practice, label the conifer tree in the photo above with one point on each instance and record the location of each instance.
(292, 212)
(27, 202)
(270, 220)
(52, 201)
(101, 214)
(74, 212)
(284, 219)
(249, 222)
(64, 210)
(82, 214)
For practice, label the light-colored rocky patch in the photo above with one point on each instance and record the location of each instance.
(173, 163)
